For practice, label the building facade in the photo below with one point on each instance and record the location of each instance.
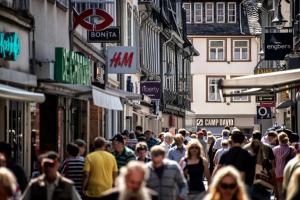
(225, 35)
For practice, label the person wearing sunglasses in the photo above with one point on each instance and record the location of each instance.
(194, 166)
(227, 184)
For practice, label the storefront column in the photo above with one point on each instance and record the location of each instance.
(88, 126)
(27, 138)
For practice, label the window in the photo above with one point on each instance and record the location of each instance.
(220, 12)
(241, 50)
(187, 7)
(216, 50)
(213, 94)
(198, 12)
(209, 12)
(240, 98)
(231, 12)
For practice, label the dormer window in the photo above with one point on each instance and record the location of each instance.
(220, 12)
(231, 12)
(198, 12)
(188, 11)
(209, 12)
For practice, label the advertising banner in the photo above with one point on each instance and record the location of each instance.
(277, 45)
(151, 89)
(122, 60)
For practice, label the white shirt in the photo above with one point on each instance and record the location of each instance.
(218, 155)
(218, 143)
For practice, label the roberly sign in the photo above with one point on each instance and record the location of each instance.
(151, 89)
(121, 60)
(81, 19)
(9, 46)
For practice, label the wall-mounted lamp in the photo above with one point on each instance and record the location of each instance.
(278, 20)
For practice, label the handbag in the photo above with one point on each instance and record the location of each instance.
(263, 176)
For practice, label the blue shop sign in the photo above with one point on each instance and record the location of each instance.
(9, 46)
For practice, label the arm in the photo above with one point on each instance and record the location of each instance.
(182, 184)
(115, 175)
(86, 176)
(206, 171)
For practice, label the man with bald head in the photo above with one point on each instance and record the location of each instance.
(177, 152)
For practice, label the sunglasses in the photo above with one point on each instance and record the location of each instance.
(195, 147)
(227, 186)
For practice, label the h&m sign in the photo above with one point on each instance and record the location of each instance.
(71, 67)
(9, 46)
(122, 60)
(215, 122)
(277, 45)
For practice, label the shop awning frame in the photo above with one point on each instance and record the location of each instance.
(13, 93)
(104, 99)
(261, 84)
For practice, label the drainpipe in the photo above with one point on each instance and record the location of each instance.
(240, 12)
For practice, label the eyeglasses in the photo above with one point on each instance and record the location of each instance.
(228, 186)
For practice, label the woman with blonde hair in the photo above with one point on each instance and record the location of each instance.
(227, 184)
(8, 185)
(194, 165)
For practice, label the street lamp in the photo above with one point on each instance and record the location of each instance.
(279, 21)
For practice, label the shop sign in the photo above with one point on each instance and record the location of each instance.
(215, 122)
(122, 60)
(265, 98)
(93, 12)
(151, 89)
(264, 70)
(263, 112)
(9, 46)
(277, 45)
(71, 67)
(111, 34)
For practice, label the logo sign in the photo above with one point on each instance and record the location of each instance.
(215, 122)
(264, 70)
(268, 104)
(122, 60)
(80, 19)
(263, 112)
(277, 45)
(111, 34)
(9, 46)
(151, 89)
(265, 98)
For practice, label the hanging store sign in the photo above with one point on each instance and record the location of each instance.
(111, 34)
(81, 19)
(215, 122)
(122, 60)
(9, 46)
(265, 98)
(71, 67)
(151, 89)
(277, 45)
(263, 112)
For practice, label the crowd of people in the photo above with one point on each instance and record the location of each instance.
(182, 166)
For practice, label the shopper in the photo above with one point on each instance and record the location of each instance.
(122, 153)
(220, 152)
(82, 148)
(294, 186)
(227, 184)
(51, 185)
(177, 152)
(141, 150)
(131, 184)
(150, 140)
(168, 140)
(195, 167)
(165, 176)
(9, 189)
(100, 170)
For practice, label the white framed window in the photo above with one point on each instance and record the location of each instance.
(198, 10)
(241, 50)
(216, 50)
(212, 90)
(188, 12)
(231, 12)
(220, 12)
(209, 12)
(240, 98)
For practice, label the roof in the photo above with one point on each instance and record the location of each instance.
(251, 10)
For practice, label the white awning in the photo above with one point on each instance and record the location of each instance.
(106, 100)
(18, 94)
(261, 84)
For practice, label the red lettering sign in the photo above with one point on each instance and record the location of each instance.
(80, 19)
(122, 60)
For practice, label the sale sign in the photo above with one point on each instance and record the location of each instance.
(122, 60)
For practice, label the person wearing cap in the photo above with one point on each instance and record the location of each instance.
(263, 155)
(50, 185)
(201, 134)
(122, 153)
(100, 170)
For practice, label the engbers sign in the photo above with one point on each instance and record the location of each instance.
(277, 45)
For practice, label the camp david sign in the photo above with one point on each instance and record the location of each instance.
(215, 122)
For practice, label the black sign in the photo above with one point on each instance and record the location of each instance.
(265, 98)
(215, 122)
(263, 112)
(111, 34)
(151, 89)
(277, 45)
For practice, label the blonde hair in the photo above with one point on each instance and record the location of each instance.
(294, 185)
(194, 142)
(214, 193)
(7, 181)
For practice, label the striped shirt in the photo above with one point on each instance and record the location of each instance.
(124, 157)
(72, 168)
(280, 152)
